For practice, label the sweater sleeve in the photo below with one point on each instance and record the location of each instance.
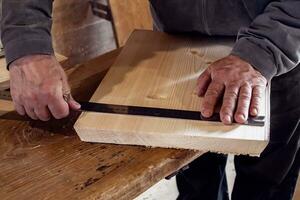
(26, 28)
(272, 42)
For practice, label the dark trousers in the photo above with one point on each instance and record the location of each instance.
(273, 175)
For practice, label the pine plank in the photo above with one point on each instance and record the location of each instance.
(159, 70)
(129, 15)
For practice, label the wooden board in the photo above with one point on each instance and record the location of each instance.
(46, 160)
(129, 15)
(6, 106)
(4, 73)
(159, 70)
(78, 34)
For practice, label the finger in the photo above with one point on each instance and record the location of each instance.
(212, 95)
(256, 99)
(58, 107)
(42, 112)
(30, 112)
(203, 82)
(229, 103)
(68, 97)
(20, 109)
(74, 105)
(242, 111)
(18, 103)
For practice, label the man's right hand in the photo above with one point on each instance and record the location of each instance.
(39, 88)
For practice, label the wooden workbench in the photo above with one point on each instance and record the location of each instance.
(46, 160)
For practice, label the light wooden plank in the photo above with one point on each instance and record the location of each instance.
(6, 106)
(4, 75)
(160, 70)
(129, 15)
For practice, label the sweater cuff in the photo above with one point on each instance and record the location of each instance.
(258, 57)
(23, 47)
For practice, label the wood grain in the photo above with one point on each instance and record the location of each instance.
(159, 70)
(6, 106)
(41, 160)
(78, 34)
(129, 15)
(4, 75)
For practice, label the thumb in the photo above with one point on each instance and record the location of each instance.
(73, 105)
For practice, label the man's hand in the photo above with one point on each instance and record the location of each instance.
(238, 83)
(38, 86)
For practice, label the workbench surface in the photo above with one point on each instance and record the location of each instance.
(46, 160)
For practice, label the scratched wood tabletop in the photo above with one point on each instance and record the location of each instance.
(46, 160)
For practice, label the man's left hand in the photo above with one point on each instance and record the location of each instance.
(239, 85)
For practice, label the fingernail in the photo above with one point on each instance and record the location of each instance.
(254, 111)
(206, 113)
(77, 104)
(242, 117)
(227, 118)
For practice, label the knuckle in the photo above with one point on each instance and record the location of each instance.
(30, 97)
(231, 95)
(232, 85)
(226, 111)
(245, 95)
(232, 90)
(212, 92)
(242, 107)
(255, 99)
(207, 106)
(62, 114)
(261, 80)
(246, 85)
(47, 93)
(228, 103)
(257, 94)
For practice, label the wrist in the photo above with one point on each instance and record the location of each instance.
(25, 60)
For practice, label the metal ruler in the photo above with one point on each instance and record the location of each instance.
(150, 111)
(160, 112)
